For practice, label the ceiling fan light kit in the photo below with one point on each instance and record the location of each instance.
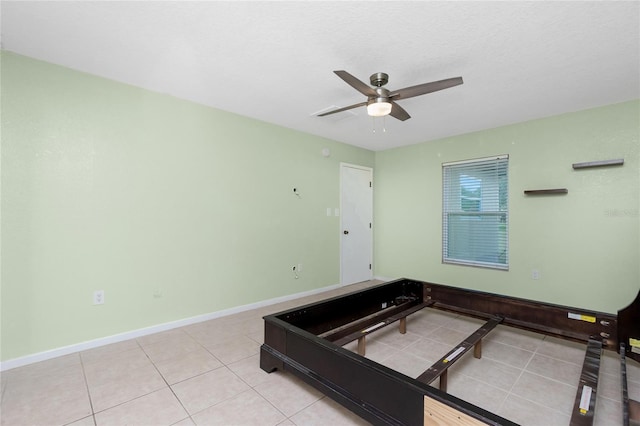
(381, 102)
(378, 107)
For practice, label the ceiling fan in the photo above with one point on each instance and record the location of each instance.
(381, 101)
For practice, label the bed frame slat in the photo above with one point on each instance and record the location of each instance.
(350, 332)
(439, 369)
(584, 406)
(625, 392)
(630, 407)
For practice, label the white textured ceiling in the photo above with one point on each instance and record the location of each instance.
(273, 61)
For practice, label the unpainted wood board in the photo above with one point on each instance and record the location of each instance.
(439, 414)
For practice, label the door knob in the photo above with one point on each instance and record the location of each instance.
(345, 232)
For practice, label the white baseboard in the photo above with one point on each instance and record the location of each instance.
(83, 346)
(385, 279)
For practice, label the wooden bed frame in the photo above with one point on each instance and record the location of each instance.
(307, 341)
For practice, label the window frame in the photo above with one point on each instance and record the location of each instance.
(500, 191)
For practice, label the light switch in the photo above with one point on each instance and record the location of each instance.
(336, 212)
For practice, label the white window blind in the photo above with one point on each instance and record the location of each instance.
(475, 212)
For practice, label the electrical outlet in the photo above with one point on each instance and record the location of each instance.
(535, 274)
(98, 297)
(299, 267)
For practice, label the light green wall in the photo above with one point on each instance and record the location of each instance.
(586, 245)
(110, 187)
(107, 186)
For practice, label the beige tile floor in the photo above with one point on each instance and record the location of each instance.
(208, 374)
(529, 378)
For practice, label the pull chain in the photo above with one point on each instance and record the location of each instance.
(384, 124)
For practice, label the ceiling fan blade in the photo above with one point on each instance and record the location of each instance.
(398, 112)
(356, 84)
(422, 89)
(342, 109)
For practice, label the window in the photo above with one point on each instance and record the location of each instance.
(475, 214)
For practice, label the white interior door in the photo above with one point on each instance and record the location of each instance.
(356, 232)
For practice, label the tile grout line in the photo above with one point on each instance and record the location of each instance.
(86, 384)
(219, 402)
(269, 402)
(542, 405)
(4, 383)
(165, 381)
(222, 365)
(522, 370)
(134, 398)
(274, 407)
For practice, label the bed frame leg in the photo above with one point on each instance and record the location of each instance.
(268, 361)
(443, 381)
(403, 325)
(362, 345)
(477, 349)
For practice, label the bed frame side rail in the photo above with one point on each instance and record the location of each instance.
(546, 318)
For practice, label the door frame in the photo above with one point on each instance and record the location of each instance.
(370, 170)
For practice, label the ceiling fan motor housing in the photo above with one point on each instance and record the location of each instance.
(379, 105)
(379, 79)
(383, 95)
